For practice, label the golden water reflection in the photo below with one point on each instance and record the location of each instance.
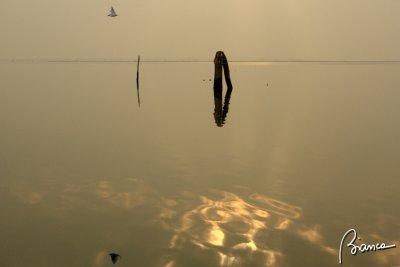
(210, 228)
(225, 228)
(234, 229)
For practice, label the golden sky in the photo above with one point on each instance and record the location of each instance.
(188, 29)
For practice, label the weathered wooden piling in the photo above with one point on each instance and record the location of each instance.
(220, 111)
(221, 62)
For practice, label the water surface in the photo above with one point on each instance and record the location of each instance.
(306, 152)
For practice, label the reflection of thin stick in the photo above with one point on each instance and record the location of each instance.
(137, 80)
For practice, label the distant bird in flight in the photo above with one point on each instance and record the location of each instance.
(114, 257)
(112, 13)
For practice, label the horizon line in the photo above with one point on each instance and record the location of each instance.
(119, 60)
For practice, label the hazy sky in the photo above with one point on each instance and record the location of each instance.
(188, 29)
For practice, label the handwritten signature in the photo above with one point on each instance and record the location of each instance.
(361, 248)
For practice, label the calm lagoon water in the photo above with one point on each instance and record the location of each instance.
(307, 151)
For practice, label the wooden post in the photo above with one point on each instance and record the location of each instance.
(220, 62)
(220, 111)
(226, 71)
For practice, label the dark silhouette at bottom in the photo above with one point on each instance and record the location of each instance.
(114, 257)
(221, 110)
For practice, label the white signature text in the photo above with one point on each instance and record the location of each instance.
(360, 248)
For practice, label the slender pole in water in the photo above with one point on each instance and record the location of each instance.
(226, 71)
(137, 80)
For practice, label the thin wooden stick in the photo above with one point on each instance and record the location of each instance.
(137, 80)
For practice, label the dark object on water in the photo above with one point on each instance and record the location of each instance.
(114, 257)
(137, 80)
(221, 62)
(221, 110)
(112, 13)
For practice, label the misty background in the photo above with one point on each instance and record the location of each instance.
(195, 30)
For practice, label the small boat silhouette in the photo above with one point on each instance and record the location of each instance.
(112, 13)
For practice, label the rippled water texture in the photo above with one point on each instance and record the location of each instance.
(272, 175)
